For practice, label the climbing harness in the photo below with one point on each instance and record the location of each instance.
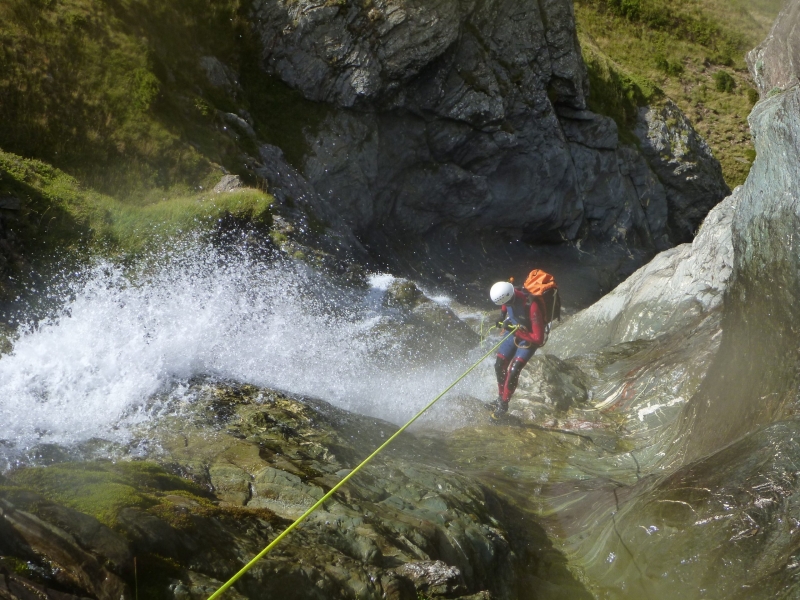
(335, 488)
(525, 343)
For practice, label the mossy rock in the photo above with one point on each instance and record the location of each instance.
(102, 489)
(403, 293)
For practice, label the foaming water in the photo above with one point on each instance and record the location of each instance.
(123, 336)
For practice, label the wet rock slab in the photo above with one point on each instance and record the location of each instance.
(229, 470)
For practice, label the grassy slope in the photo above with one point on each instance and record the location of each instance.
(110, 130)
(112, 92)
(636, 49)
(58, 214)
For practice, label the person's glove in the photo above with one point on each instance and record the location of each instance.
(506, 325)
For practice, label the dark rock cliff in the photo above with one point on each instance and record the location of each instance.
(457, 116)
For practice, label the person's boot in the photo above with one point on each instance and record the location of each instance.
(500, 409)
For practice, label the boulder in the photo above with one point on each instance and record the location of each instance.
(685, 166)
(15, 587)
(433, 577)
(10, 203)
(775, 63)
(228, 183)
(219, 75)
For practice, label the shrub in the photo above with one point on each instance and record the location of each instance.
(146, 88)
(724, 82)
(672, 68)
(752, 95)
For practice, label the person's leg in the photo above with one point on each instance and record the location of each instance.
(523, 354)
(512, 378)
(504, 355)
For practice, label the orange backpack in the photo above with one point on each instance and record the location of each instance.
(543, 287)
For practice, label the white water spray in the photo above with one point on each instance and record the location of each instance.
(93, 368)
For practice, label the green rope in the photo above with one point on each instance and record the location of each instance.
(319, 503)
(485, 335)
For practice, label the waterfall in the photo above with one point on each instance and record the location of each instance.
(123, 338)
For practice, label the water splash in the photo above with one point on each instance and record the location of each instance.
(122, 335)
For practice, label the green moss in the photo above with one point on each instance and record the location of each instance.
(89, 488)
(102, 489)
(774, 92)
(59, 213)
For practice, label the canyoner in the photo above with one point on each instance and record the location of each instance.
(530, 311)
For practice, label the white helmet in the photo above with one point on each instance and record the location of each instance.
(501, 292)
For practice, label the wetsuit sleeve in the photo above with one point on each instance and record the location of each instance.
(536, 334)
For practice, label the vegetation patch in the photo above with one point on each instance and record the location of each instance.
(57, 213)
(724, 82)
(102, 489)
(117, 94)
(617, 93)
(690, 50)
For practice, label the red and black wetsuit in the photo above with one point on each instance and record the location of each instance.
(516, 351)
